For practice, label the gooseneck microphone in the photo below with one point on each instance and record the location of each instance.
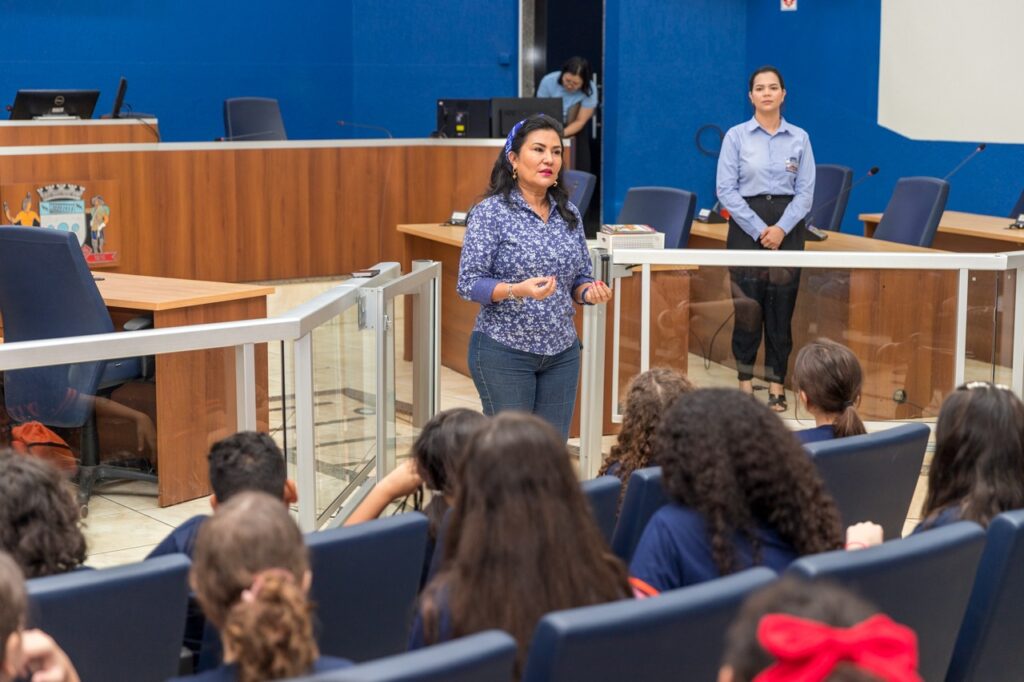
(818, 234)
(367, 126)
(977, 150)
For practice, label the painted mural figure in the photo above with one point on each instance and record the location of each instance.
(26, 216)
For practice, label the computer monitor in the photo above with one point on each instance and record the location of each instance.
(507, 111)
(464, 117)
(122, 88)
(29, 104)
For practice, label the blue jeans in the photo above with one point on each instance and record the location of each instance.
(510, 379)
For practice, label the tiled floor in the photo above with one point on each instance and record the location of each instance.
(125, 523)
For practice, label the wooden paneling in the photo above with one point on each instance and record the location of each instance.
(45, 133)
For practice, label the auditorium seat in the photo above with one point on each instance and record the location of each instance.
(580, 185)
(831, 193)
(914, 210)
(678, 635)
(666, 209)
(989, 644)
(872, 477)
(250, 119)
(1018, 208)
(922, 581)
(365, 581)
(603, 495)
(644, 496)
(124, 623)
(483, 657)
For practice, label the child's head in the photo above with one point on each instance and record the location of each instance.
(649, 395)
(251, 574)
(13, 604)
(750, 634)
(519, 511)
(979, 453)
(248, 461)
(440, 446)
(39, 519)
(730, 458)
(829, 378)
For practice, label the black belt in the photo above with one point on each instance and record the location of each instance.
(770, 197)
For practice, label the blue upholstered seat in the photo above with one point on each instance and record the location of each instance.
(872, 477)
(914, 211)
(123, 623)
(580, 185)
(603, 495)
(248, 119)
(365, 581)
(678, 635)
(831, 193)
(666, 209)
(644, 496)
(922, 581)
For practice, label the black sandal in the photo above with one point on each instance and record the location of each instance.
(777, 403)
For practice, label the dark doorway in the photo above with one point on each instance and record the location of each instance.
(569, 28)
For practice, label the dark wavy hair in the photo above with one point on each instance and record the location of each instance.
(437, 452)
(246, 460)
(830, 376)
(649, 395)
(979, 454)
(730, 458)
(578, 66)
(503, 184)
(39, 520)
(822, 602)
(521, 541)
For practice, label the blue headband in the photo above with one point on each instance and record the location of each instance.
(511, 136)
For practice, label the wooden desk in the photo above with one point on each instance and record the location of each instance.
(965, 232)
(91, 131)
(195, 391)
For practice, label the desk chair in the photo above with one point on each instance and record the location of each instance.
(678, 635)
(484, 657)
(1019, 207)
(603, 494)
(47, 292)
(922, 581)
(666, 209)
(831, 193)
(989, 644)
(123, 623)
(365, 581)
(644, 496)
(249, 119)
(914, 210)
(872, 477)
(580, 185)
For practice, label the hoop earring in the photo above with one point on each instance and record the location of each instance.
(556, 184)
(515, 173)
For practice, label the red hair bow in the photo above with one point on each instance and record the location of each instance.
(808, 651)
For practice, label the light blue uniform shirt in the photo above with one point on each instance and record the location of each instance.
(550, 87)
(754, 162)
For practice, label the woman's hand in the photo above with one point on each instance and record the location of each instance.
(864, 534)
(593, 293)
(44, 660)
(403, 480)
(772, 237)
(537, 288)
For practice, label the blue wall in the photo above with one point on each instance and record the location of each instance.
(670, 67)
(373, 61)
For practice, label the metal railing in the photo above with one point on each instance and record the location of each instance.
(375, 295)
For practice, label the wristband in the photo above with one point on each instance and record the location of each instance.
(509, 296)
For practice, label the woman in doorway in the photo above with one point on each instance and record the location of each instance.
(766, 181)
(575, 85)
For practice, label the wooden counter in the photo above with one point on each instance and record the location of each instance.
(91, 131)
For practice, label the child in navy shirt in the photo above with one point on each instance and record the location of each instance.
(743, 493)
(828, 380)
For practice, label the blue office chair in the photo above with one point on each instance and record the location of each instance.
(603, 495)
(365, 582)
(831, 193)
(47, 292)
(122, 623)
(666, 209)
(644, 496)
(249, 119)
(677, 635)
(989, 644)
(872, 477)
(914, 211)
(1019, 207)
(580, 185)
(922, 581)
(486, 656)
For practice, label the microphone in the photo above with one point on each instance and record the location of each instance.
(818, 234)
(367, 126)
(977, 150)
(232, 138)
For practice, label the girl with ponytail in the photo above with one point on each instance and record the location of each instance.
(251, 577)
(828, 379)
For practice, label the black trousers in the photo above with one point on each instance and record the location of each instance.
(764, 298)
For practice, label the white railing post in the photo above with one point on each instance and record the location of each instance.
(245, 386)
(305, 434)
